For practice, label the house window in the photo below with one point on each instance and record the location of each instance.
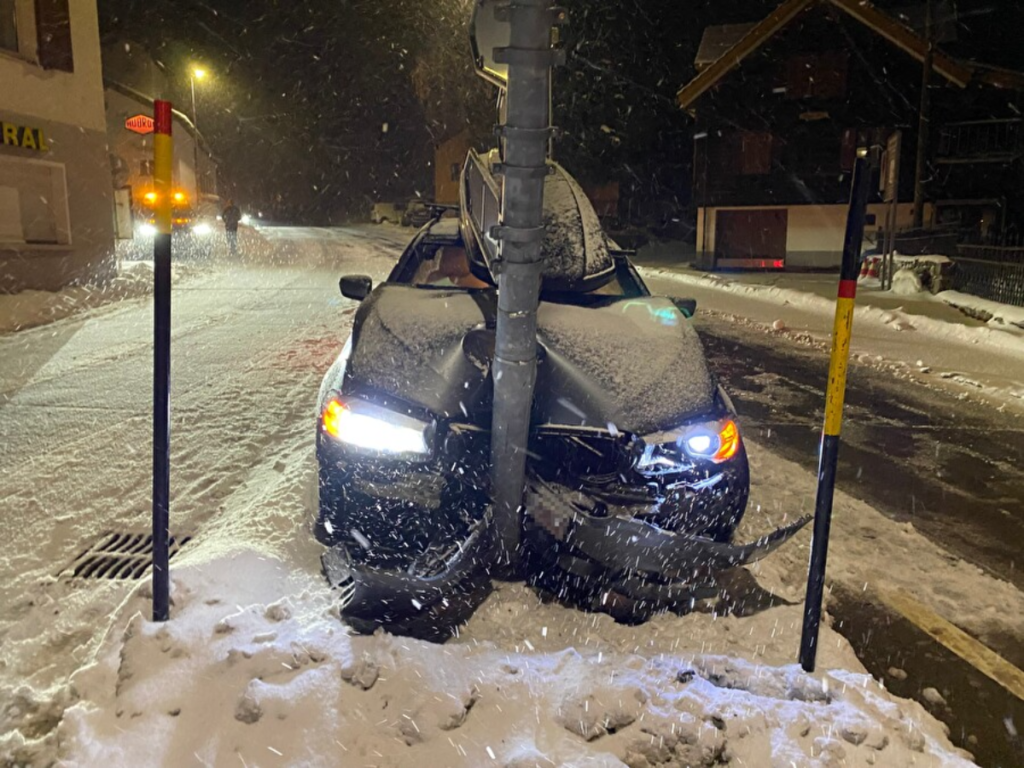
(33, 202)
(9, 25)
(817, 75)
(53, 29)
(755, 153)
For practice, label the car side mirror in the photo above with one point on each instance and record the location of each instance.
(687, 306)
(355, 287)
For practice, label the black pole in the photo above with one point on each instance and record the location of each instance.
(161, 425)
(162, 362)
(529, 57)
(923, 121)
(829, 453)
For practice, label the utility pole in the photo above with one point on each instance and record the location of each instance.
(196, 73)
(520, 232)
(924, 120)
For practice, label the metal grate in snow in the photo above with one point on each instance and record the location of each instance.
(124, 555)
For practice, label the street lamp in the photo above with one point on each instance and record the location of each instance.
(195, 73)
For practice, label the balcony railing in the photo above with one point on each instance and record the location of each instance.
(981, 141)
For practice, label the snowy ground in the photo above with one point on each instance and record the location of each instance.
(918, 337)
(29, 309)
(255, 668)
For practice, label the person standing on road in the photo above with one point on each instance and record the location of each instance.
(231, 216)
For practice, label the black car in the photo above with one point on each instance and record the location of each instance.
(637, 471)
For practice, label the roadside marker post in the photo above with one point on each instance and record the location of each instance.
(162, 163)
(835, 393)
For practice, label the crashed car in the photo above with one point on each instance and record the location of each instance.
(637, 472)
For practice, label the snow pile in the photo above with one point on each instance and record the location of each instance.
(906, 282)
(256, 669)
(996, 338)
(992, 312)
(29, 309)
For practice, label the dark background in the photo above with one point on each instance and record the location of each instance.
(316, 109)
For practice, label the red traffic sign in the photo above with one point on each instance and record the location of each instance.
(140, 124)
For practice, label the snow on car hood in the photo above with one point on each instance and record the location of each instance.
(635, 363)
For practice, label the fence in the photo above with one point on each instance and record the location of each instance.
(993, 272)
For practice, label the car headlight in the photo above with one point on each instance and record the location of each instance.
(245, 219)
(202, 229)
(147, 230)
(373, 430)
(671, 451)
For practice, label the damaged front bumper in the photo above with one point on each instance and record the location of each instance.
(392, 596)
(647, 562)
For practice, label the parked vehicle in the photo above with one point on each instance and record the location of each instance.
(417, 213)
(386, 212)
(637, 470)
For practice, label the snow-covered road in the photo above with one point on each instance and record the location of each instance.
(547, 684)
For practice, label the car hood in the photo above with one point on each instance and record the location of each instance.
(636, 363)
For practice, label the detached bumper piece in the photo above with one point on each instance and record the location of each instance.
(643, 560)
(403, 600)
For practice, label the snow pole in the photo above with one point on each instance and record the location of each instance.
(529, 57)
(834, 395)
(162, 163)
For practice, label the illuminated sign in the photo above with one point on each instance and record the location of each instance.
(24, 137)
(141, 124)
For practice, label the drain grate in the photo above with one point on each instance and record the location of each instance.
(118, 556)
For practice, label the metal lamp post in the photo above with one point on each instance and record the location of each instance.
(196, 73)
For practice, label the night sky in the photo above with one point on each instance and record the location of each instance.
(316, 109)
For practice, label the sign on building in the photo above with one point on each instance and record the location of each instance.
(141, 124)
(23, 136)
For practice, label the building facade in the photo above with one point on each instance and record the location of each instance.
(56, 207)
(781, 106)
(132, 80)
(131, 158)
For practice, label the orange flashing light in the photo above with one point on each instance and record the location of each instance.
(150, 197)
(729, 442)
(330, 420)
(179, 197)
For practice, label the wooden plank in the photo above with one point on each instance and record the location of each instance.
(904, 39)
(749, 43)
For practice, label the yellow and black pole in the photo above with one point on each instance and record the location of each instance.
(835, 393)
(162, 163)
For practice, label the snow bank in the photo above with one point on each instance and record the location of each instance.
(992, 312)
(896, 319)
(29, 309)
(260, 671)
(906, 282)
(256, 669)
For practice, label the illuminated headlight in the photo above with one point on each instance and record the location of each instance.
(376, 431)
(246, 219)
(202, 229)
(672, 451)
(147, 230)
